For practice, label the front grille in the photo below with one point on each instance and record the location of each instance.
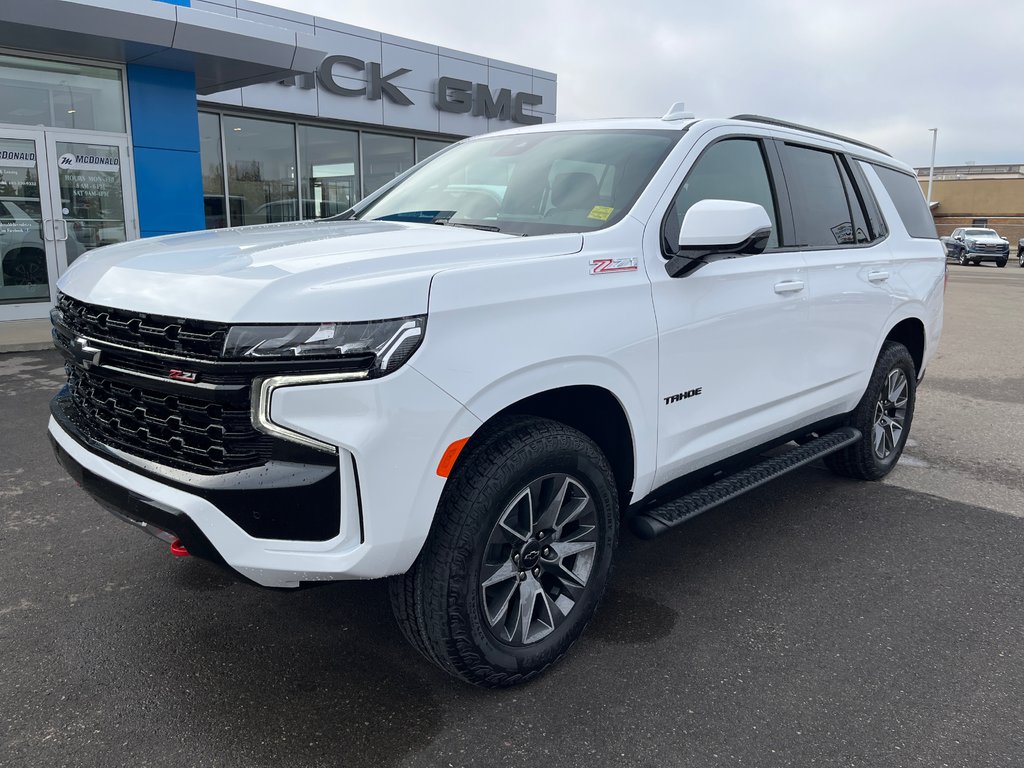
(188, 432)
(990, 248)
(154, 333)
(127, 398)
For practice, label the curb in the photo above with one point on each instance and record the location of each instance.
(28, 346)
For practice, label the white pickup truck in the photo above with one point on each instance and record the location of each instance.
(468, 380)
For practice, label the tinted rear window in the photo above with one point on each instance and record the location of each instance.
(909, 201)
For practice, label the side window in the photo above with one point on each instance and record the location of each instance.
(876, 221)
(861, 231)
(821, 211)
(906, 195)
(732, 169)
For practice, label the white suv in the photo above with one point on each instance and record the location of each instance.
(466, 381)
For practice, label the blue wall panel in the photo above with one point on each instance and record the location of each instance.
(186, 3)
(169, 184)
(165, 140)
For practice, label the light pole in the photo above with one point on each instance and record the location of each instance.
(931, 170)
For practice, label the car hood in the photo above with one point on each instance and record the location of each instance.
(298, 272)
(985, 239)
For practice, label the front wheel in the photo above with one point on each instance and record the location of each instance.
(883, 416)
(518, 557)
(963, 259)
(1001, 263)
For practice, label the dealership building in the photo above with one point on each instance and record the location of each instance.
(122, 119)
(990, 196)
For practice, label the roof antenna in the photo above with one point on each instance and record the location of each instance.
(678, 112)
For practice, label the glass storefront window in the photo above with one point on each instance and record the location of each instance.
(384, 158)
(58, 94)
(427, 147)
(212, 161)
(260, 163)
(330, 170)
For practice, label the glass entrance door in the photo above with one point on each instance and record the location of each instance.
(28, 251)
(61, 194)
(91, 193)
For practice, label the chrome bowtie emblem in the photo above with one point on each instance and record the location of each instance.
(87, 354)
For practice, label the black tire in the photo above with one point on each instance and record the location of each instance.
(442, 604)
(1001, 263)
(1020, 256)
(862, 460)
(25, 266)
(962, 258)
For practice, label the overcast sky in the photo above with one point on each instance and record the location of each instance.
(883, 71)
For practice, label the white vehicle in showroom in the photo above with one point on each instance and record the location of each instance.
(467, 381)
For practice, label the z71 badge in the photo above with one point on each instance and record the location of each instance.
(607, 266)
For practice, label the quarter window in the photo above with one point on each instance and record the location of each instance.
(906, 195)
(733, 169)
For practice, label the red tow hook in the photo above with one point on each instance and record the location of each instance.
(178, 549)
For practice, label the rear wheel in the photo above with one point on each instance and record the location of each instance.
(518, 556)
(883, 416)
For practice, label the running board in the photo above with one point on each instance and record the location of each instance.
(650, 523)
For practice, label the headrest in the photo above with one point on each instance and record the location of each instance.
(574, 190)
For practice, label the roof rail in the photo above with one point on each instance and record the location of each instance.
(797, 126)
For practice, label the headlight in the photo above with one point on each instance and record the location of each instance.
(391, 342)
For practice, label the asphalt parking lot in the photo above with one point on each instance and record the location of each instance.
(815, 621)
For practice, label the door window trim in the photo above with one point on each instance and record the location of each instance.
(838, 156)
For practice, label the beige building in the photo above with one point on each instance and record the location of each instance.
(978, 195)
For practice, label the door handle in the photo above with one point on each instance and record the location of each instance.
(878, 276)
(64, 224)
(789, 286)
(48, 234)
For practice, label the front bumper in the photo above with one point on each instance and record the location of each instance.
(390, 434)
(986, 256)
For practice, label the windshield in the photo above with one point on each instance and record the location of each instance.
(981, 233)
(530, 183)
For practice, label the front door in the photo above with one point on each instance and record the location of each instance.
(61, 194)
(733, 334)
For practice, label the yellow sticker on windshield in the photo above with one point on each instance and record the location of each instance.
(600, 212)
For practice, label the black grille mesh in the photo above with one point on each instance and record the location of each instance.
(188, 433)
(156, 333)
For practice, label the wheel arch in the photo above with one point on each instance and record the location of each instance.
(593, 410)
(910, 332)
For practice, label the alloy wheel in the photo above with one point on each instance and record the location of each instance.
(538, 559)
(890, 414)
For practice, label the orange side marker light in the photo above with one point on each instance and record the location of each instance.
(451, 453)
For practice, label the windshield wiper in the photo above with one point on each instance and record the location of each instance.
(419, 217)
(435, 217)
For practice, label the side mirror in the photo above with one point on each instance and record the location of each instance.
(719, 229)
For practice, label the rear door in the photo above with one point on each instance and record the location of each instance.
(849, 266)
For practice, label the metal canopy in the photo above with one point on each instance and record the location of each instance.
(223, 52)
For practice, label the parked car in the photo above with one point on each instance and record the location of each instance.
(22, 250)
(973, 245)
(470, 400)
(1020, 252)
